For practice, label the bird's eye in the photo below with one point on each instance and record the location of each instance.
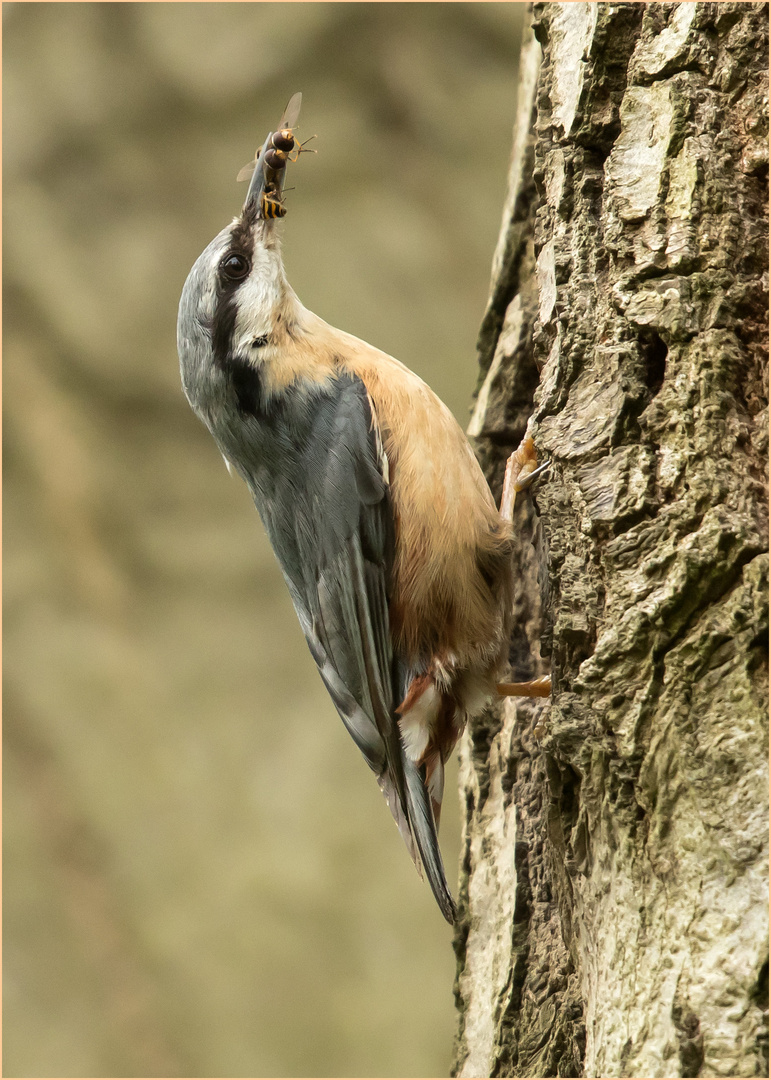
(235, 266)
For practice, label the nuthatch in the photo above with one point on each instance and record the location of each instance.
(397, 560)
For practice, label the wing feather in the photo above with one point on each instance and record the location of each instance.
(332, 527)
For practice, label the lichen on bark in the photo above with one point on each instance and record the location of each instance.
(613, 900)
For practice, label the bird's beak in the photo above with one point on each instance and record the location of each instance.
(262, 175)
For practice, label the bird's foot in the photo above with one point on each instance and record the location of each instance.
(525, 479)
(522, 470)
(535, 688)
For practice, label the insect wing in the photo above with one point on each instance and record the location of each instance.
(248, 170)
(291, 112)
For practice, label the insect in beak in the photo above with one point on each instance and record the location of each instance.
(268, 170)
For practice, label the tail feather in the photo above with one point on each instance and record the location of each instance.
(411, 788)
(435, 783)
(415, 821)
(424, 831)
(391, 794)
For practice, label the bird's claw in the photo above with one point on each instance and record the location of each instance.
(535, 688)
(523, 482)
(522, 470)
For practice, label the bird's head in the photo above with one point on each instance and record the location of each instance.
(235, 293)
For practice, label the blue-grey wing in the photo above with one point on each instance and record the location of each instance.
(327, 508)
(345, 552)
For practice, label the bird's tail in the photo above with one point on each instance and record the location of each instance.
(409, 802)
(424, 831)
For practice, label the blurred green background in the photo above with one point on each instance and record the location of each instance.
(201, 876)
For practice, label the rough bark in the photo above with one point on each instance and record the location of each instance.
(613, 894)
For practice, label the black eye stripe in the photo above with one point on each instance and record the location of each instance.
(223, 321)
(223, 326)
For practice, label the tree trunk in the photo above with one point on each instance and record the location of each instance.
(614, 881)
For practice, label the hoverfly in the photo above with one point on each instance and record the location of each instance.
(271, 203)
(281, 145)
